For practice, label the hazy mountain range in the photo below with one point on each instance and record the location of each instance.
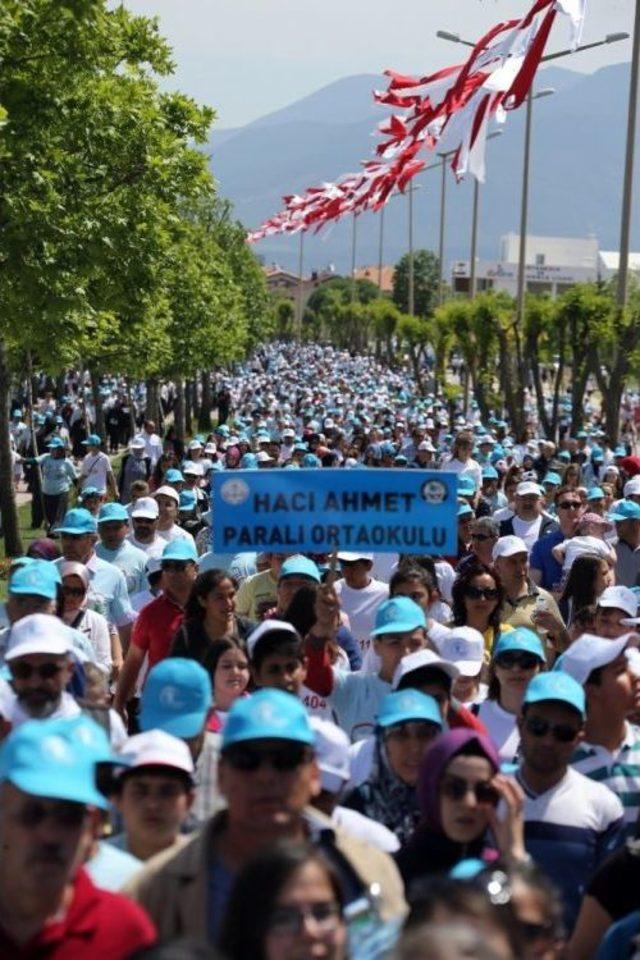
(576, 173)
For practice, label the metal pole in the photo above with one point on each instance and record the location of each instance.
(443, 201)
(524, 213)
(627, 200)
(300, 284)
(411, 270)
(354, 237)
(474, 240)
(381, 248)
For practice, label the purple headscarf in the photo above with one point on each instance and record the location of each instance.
(435, 761)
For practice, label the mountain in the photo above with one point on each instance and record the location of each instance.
(576, 171)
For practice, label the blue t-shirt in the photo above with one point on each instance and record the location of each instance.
(542, 558)
(617, 940)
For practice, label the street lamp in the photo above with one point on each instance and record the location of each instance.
(474, 226)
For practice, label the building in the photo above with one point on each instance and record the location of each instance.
(286, 284)
(373, 273)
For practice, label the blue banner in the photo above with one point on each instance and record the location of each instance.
(317, 511)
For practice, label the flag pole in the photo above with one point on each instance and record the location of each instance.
(627, 200)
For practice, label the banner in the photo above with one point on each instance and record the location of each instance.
(318, 511)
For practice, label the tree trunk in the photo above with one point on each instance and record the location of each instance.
(179, 410)
(8, 506)
(151, 409)
(555, 408)
(534, 364)
(188, 406)
(97, 403)
(206, 404)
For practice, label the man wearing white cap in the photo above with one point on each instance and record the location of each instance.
(526, 605)
(360, 595)
(528, 522)
(144, 520)
(610, 752)
(135, 465)
(616, 613)
(168, 500)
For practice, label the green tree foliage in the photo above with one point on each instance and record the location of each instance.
(426, 277)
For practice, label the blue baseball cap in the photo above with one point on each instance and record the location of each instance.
(113, 511)
(92, 736)
(490, 473)
(267, 715)
(300, 566)
(40, 578)
(173, 476)
(248, 461)
(188, 500)
(466, 485)
(93, 440)
(56, 443)
(44, 758)
(521, 639)
(398, 615)
(553, 478)
(310, 461)
(564, 455)
(405, 705)
(464, 510)
(595, 493)
(78, 522)
(176, 697)
(180, 550)
(91, 492)
(558, 686)
(625, 510)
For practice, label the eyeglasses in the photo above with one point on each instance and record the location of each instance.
(513, 659)
(284, 759)
(484, 536)
(418, 730)
(562, 732)
(73, 591)
(326, 917)
(175, 566)
(64, 813)
(46, 671)
(481, 593)
(570, 505)
(457, 788)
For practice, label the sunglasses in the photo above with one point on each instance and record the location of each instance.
(562, 732)
(283, 759)
(517, 658)
(64, 813)
(46, 671)
(570, 505)
(484, 536)
(175, 566)
(326, 917)
(481, 593)
(457, 788)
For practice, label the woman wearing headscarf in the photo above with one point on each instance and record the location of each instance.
(459, 790)
(407, 724)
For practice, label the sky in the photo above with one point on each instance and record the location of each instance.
(247, 58)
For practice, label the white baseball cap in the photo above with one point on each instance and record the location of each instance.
(632, 487)
(352, 557)
(527, 489)
(138, 443)
(195, 469)
(269, 626)
(195, 445)
(426, 445)
(155, 748)
(464, 647)
(210, 447)
(332, 754)
(619, 598)
(145, 507)
(167, 491)
(39, 633)
(508, 547)
(420, 659)
(263, 457)
(589, 652)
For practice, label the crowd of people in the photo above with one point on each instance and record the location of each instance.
(346, 756)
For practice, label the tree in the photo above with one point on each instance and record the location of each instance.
(426, 280)
(330, 310)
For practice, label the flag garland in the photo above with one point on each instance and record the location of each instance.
(447, 112)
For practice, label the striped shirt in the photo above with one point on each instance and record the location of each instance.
(620, 771)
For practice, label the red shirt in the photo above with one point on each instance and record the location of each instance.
(98, 925)
(156, 627)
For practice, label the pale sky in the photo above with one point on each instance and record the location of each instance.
(246, 58)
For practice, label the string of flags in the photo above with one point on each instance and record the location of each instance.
(445, 112)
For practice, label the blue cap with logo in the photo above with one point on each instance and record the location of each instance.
(558, 686)
(267, 715)
(40, 578)
(176, 697)
(521, 639)
(188, 500)
(56, 443)
(113, 512)
(180, 550)
(44, 758)
(310, 461)
(93, 440)
(398, 615)
(78, 522)
(466, 485)
(490, 473)
(595, 493)
(405, 705)
(625, 510)
(464, 510)
(173, 476)
(552, 478)
(301, 567)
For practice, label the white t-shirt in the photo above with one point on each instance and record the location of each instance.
(153, 549)
(501, 727)
(70, 708)
(175, 533)
(366, 829)
(527, 530)
(94, 470)
(360, 606)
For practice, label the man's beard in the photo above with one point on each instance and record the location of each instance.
(39, 704)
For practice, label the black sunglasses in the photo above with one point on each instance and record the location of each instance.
(570, 505)
(481, 593)
(177, 566)
(484, 536)
(23, 671)
(562, 732)
(457, 788)
(64, 813)
(284, 759)
(517, 658)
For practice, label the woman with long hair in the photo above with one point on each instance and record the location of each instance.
(588, 578)
(478, 596)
